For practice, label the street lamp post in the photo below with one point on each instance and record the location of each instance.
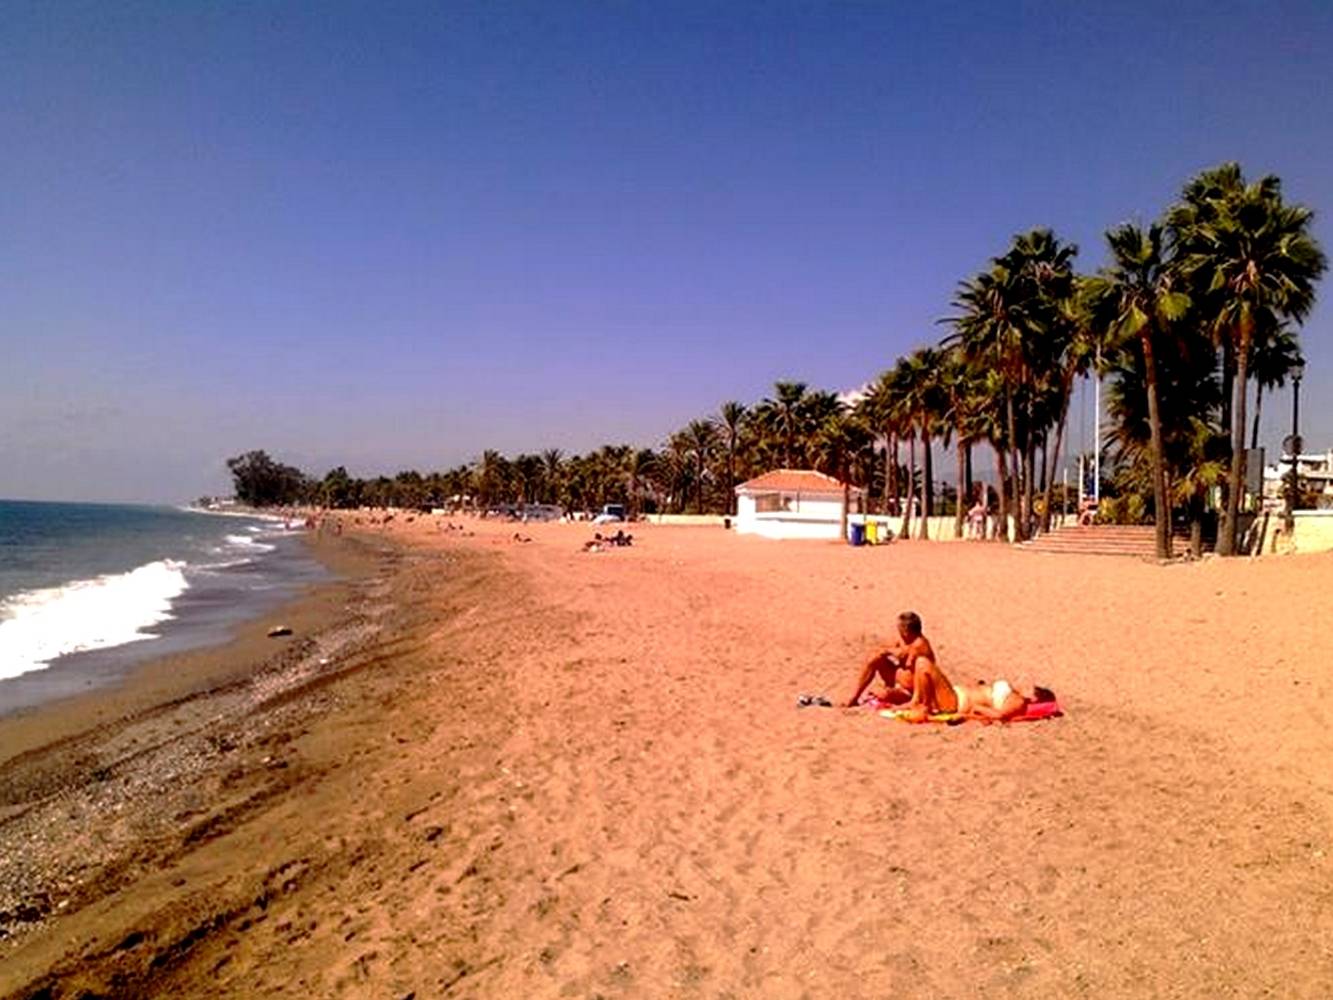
(1293, 487)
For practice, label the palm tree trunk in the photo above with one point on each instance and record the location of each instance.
(731, 478)
(1258, 409)
(1196, 525)
(1162, 513)
(961, 487)
(1055, 454)
(905, 531)
(1228, 390)
(846, 499)
(927, 487)
(1226, 540)
(1029, 470)
(1002, 470)
(970, 478)
(891, 476)
(1015, 480)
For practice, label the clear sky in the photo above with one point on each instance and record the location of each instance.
(391, 235)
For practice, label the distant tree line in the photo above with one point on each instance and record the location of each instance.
(1191, 312)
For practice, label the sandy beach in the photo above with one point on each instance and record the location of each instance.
(500, 769)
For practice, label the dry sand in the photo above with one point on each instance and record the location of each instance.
(552, 773)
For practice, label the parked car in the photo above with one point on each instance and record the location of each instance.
(612, 513)
(542, 512)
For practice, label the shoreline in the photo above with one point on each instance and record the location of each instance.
(169, 584)
(551, 772)
(103, 766)
(120, 679)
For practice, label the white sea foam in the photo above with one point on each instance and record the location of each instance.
(37, 626)
(248, 542)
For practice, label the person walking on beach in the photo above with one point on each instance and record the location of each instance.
(896, 664)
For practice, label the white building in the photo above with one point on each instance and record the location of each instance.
(793, 503)
(1313, 471)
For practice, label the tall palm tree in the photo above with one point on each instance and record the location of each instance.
(905, 400)
(1275, 357)
(528, 474)
(835, 443)
(784, 413)
(551, 463)
(702, 438)
(993, 314)
(876, 410)
(925, 401)
(1135, 300)
(964, 397)
(639, 470)
(673, 470)
(730, 417)
(1188, 392)
(1078, 351)
(492, 472)
(1256, 262)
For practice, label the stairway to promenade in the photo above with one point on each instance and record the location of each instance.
(1103, 540)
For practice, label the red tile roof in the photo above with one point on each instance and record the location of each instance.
(794, 481)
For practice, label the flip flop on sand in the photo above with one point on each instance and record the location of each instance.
(813, 701)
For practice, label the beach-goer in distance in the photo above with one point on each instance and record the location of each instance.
(976, 520)
(896, 664)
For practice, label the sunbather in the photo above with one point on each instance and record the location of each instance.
(996, 701)
(993, 701)
(896, 663)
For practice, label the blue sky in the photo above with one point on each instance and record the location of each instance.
(392, 235)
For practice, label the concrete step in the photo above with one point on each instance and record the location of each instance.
(1102, 539)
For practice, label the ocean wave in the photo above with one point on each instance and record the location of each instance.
(37, 626)
(248, 542)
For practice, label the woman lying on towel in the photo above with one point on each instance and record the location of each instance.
(995, 701)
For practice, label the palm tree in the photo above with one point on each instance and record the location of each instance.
(876, 410)
(1275, 357)
(729, 420)
(964, 399)
(924, 400)
(701, 436)
(673, 470)
(551, 469)
(492, 472)
(1192, 445)
(1079, 348)
(904, 396)
(836, 442)
(784, 413)
(1135, 300)
(993, 315)
(1255, 262)
(528, 473)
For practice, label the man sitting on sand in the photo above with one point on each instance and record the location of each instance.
(896, 664)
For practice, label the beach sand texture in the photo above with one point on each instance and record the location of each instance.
(553, 773)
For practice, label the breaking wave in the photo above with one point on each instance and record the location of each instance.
(37, 626)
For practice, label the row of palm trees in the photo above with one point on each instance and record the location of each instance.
(1188, 314)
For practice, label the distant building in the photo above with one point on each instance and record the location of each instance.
(794, 503)
(1314, 473)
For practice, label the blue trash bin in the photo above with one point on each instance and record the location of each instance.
(856, 533)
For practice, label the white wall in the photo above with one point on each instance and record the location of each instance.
(816, 518)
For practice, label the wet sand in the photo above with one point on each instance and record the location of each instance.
(541, 772)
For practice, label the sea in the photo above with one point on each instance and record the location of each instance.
(87, 591)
